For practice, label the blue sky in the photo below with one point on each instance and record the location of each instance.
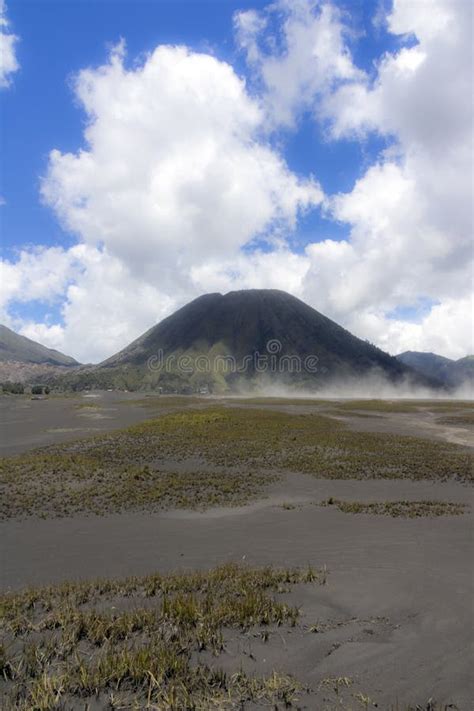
(379, 62)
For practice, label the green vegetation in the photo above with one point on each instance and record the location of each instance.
(88, 406)
(399, 405)
(13, 388)
(139, 642)
(269, 440)
(164, 401)
(430, 705)
(157, 641)
(40, 389)
(64, 485)
(399, 509)
(466, 419)
(211, 457)
(385, 406)
(130, 378)
(402, 406)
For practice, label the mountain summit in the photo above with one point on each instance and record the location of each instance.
(241, 326)
(242, 323)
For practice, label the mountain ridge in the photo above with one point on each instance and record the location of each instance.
(257, 316)
(239, 326)
(20, 349)
(452, 373)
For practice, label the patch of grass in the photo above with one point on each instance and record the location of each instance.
(466, 419)
(370, 414)
(63, 486)
(386, 406)
(336, 683)
(305, 443)
(155, 642)
(405, 405)
(65, 649)
(228, 578)
(430, 705)
(447, 405)
(339, 688)
(399, 405)
(399, 509)
(159, 401)
(234, 453)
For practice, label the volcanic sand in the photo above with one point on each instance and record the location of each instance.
(396, 614)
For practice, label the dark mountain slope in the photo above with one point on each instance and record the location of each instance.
(452, 373)
(20, 349)
(463, 371)
(241, 323)
(429, 364)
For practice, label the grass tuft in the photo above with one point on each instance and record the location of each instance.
(399, 509)
(70, 644)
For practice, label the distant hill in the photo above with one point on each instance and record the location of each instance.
(237, 327)
(430, 364)
(20, 349)
(452, 373)
(25, 361)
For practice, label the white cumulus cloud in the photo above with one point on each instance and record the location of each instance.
(410, 214)
(173, 172)
(8, 60)
(305, 60)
